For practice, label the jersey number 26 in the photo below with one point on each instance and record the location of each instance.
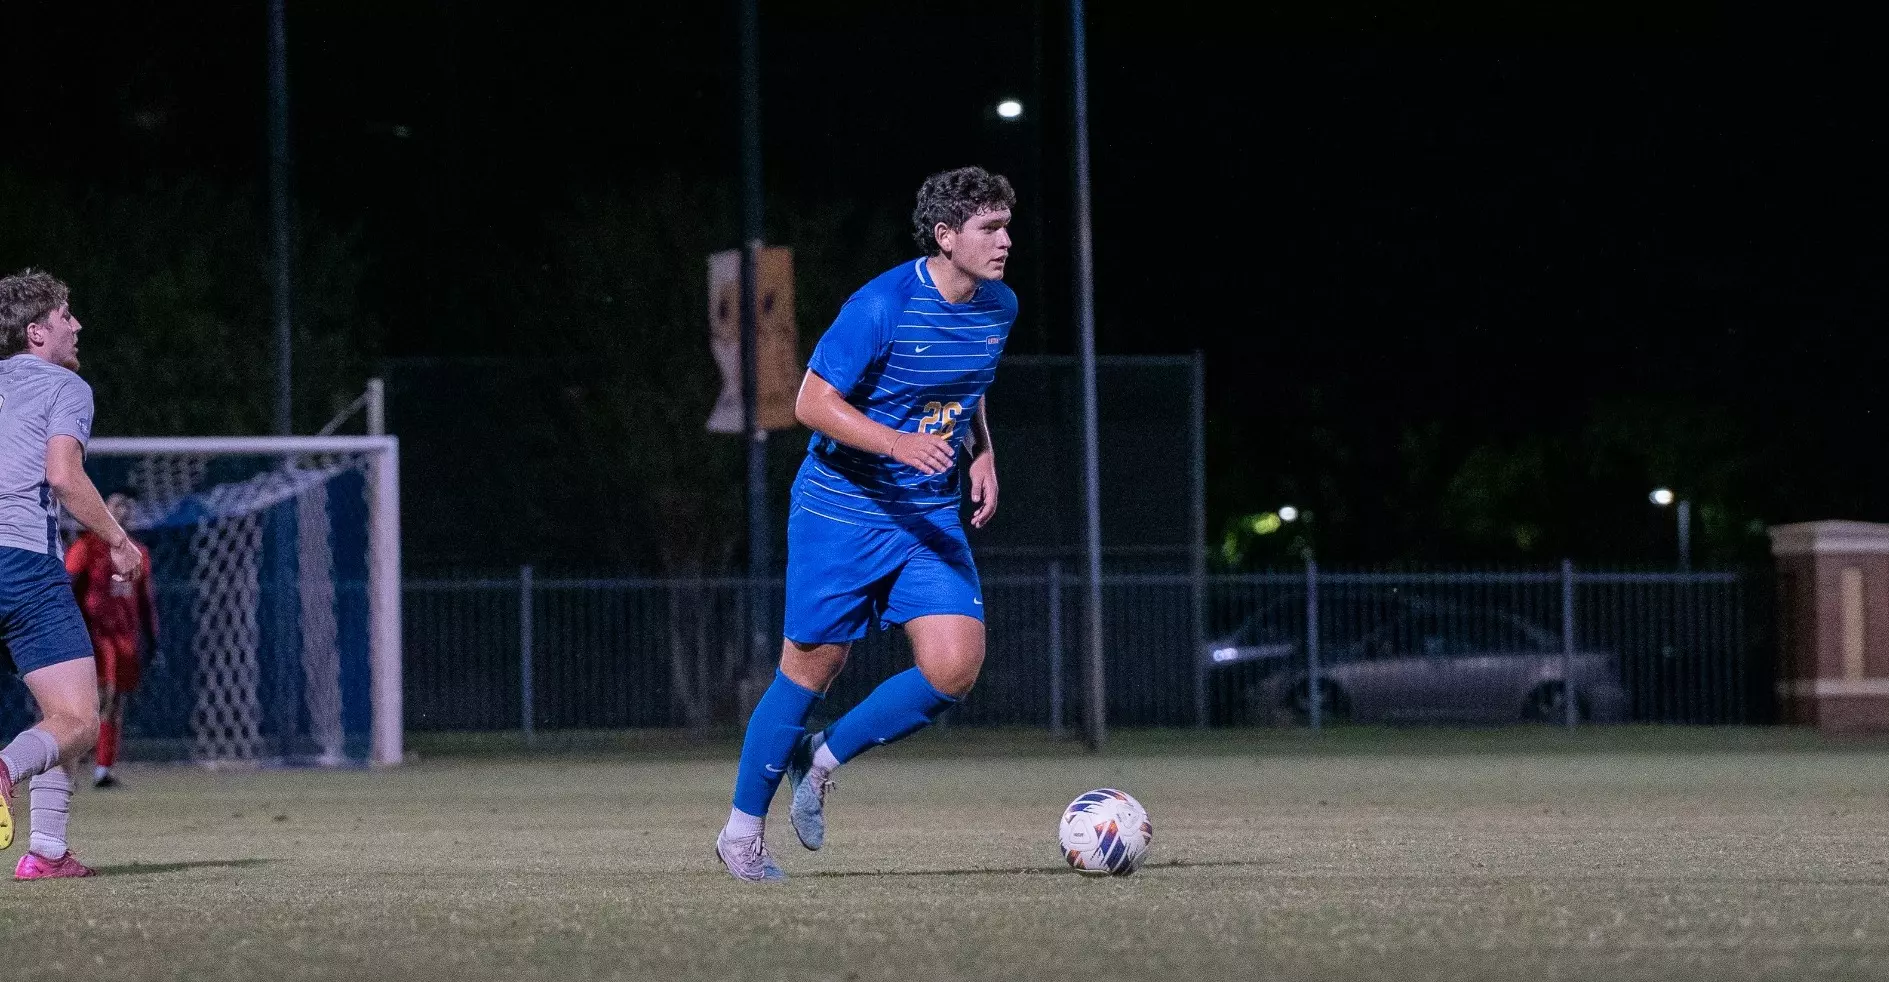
(940, 418)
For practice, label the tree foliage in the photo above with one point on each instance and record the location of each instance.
(172, 284)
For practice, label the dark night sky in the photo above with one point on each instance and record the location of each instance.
(1458, 215)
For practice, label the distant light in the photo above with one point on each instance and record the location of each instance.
(1010, 109)
(1288, 514)
(1225, 654)
(1661, 496)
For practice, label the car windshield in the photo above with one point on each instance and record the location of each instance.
(1381, 623)
(1442, 630)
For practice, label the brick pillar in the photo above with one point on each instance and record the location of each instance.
(1833, 625)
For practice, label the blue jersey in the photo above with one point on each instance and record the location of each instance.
(902, 355)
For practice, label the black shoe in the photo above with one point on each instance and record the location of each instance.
(107, 781)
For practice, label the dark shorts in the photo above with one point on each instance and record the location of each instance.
(843, 577)
(40, 623)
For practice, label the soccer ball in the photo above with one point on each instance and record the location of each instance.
(1105, 833)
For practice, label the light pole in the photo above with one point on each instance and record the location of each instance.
(1664, 497)
(1085, 350)
(280, 217)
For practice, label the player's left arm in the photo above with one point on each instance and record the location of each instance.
(147, 607)
(79, 565)
(983, 466)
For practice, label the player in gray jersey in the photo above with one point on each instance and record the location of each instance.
(45, 421)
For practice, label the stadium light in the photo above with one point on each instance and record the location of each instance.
(1010, 109)
(1664, 497)
(1288, 514)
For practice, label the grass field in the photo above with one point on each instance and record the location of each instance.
(1622, 854)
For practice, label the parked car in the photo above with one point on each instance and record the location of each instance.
(1404, 658)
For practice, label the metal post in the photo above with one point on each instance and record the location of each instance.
(279, 217)
(1056, 650)
(383, 557)
(1567, 642)
(1038, 209)
(1096, 724)
(1685, 536)
(1197, 531)
(760, 536)
(527, 701)
(1312, 681)
(376, 407)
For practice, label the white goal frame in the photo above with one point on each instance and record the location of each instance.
(383, 475)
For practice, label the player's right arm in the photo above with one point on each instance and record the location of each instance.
(858, 340)
(65, 471)
(821, 407)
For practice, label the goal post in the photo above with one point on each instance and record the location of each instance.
(278, 566)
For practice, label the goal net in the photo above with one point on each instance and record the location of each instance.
(276, 567)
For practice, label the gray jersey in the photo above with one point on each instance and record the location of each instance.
(38, 401)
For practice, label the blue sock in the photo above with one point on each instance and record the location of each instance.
(778, 721)
(901, 706)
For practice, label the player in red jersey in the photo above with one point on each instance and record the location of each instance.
(122, 618)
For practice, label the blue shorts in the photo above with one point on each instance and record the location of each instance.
(842, 577)
(40, 623)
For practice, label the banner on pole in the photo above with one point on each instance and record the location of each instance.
(777, 339)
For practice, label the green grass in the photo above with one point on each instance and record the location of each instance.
(1365, 854)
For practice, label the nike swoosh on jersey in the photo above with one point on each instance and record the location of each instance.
(921, 347)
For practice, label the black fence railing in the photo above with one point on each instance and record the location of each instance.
(1294, 648)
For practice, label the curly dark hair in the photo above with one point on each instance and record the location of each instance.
(25, 297)
(953, 197)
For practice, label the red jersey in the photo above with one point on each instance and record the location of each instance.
(115, 609)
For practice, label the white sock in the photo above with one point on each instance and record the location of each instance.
(52, 805)
(98, 773)
(823, 763)
(32, 752)
(741, 825)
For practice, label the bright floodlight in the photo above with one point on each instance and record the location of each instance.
(1288, 514)
(1661, 496)
(1010, 109)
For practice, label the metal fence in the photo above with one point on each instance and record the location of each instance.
(1298, 648)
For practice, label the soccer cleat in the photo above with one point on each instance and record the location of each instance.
(747, 858)
(105, 780)
(6, 814)
(33, 866)
(808, 813)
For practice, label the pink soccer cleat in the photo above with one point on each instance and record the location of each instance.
(33, 866)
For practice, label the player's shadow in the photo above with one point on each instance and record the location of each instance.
(1033, 870)
(147, 869)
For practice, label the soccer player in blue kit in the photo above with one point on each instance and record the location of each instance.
(895, 396)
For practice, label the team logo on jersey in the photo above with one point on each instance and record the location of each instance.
(992, 344)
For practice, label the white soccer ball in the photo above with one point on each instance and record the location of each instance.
(1105, 832)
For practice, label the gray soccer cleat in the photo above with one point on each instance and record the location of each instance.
(809, 809)
(747, 858)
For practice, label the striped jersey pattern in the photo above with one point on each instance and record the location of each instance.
(908, 359)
